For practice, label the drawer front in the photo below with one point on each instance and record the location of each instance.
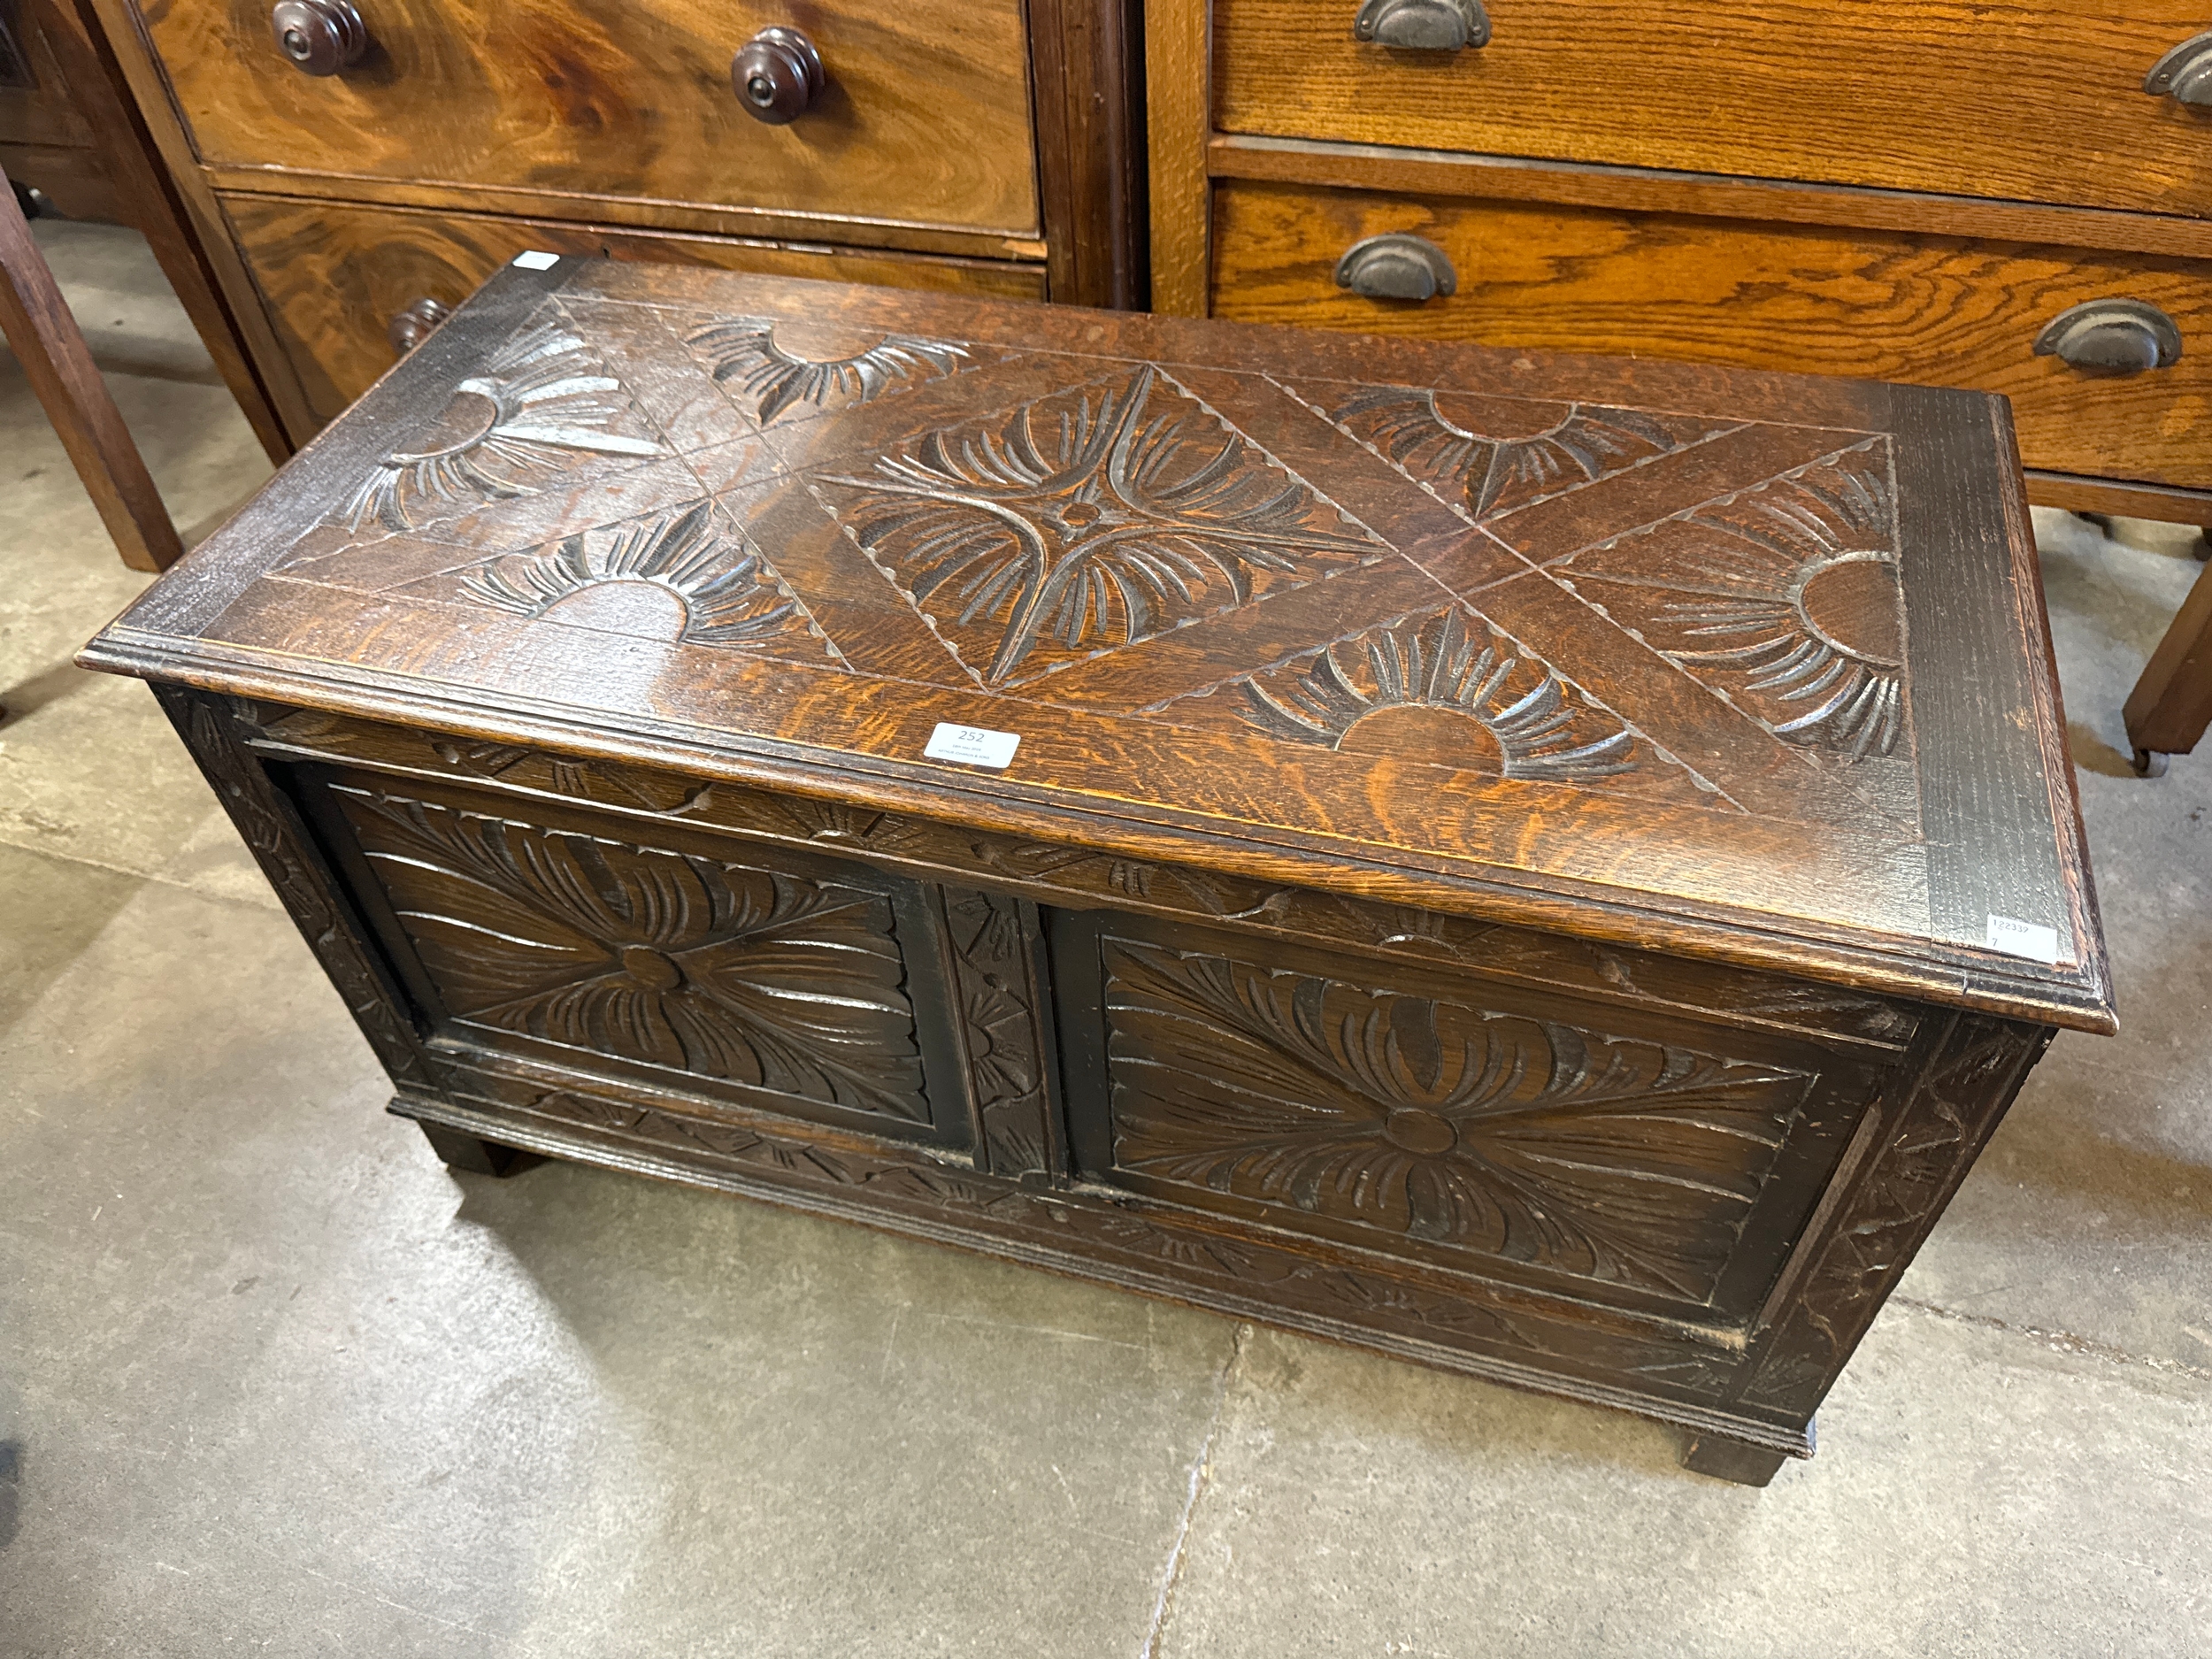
(1935, 310)
(2039, 103)
(335, 277)
(789, 983)
(925, 116)
(1443, 1119)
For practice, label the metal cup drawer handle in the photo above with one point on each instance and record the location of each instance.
(2111, 337)
(1397, 268)
(2185, 73)
(1423, 26)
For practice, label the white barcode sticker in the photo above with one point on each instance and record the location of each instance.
(535, 261)
(2023, 938)
(972, 745)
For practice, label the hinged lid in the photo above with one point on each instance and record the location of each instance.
(1749, 666)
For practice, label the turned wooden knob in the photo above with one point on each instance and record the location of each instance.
(319, 36)
(777, 75)
(2111, 337)
(1397, 268)
(410, 327)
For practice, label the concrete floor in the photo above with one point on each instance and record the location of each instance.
(271, 1378)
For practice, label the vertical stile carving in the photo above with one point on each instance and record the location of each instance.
(278, 842)
(997, 990)
(1955, 1103)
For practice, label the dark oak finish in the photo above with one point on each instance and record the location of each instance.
(1496, 867)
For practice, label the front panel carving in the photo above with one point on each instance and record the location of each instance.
(1394, 1119)
(763, 978)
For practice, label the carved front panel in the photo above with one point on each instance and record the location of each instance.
(1436, 1121)
(757, 980)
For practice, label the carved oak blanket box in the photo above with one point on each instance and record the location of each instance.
(1550, 868)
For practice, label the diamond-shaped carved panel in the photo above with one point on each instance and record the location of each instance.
(1784, 599)
(541, 405)
(685, 574)
(1482, 456)
(1085, 520)
(1442, 688)
(773, 367)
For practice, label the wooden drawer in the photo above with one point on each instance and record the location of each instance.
(1937, 309)
(2037, 103)
(334, 277)
(924, 119)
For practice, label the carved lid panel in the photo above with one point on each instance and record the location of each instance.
(1750, 665)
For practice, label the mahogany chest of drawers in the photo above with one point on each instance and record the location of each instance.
(357, 167)
(1548, 867)
(2013, 198)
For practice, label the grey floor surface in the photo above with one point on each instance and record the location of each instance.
(272, 1379)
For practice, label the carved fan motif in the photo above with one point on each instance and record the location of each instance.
(1630, 1162)
(1432, 689)
(681, 570)
(1481, 455)
(747, 350)
(541, 400)
(1091, 519)
(748, 975)
(1787, 597)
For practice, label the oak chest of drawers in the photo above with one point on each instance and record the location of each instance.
(2013, 198)
(1158, 800)
(358, 167)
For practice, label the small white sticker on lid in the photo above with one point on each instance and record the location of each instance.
(973, 745)
(2023, 938)
(535, 261)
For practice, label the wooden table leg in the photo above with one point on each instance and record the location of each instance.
(59, 363)
(2171, 704)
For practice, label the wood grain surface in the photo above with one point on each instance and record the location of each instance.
(2171, 704)
(51, 350)
(1178, 125)
(333, 276)
(1611, 648)
(1705, 194)
(1643, 1186)
(2033, 102)
(1490, 860)
(927, 116)
(1928, 309)
(44, 138)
